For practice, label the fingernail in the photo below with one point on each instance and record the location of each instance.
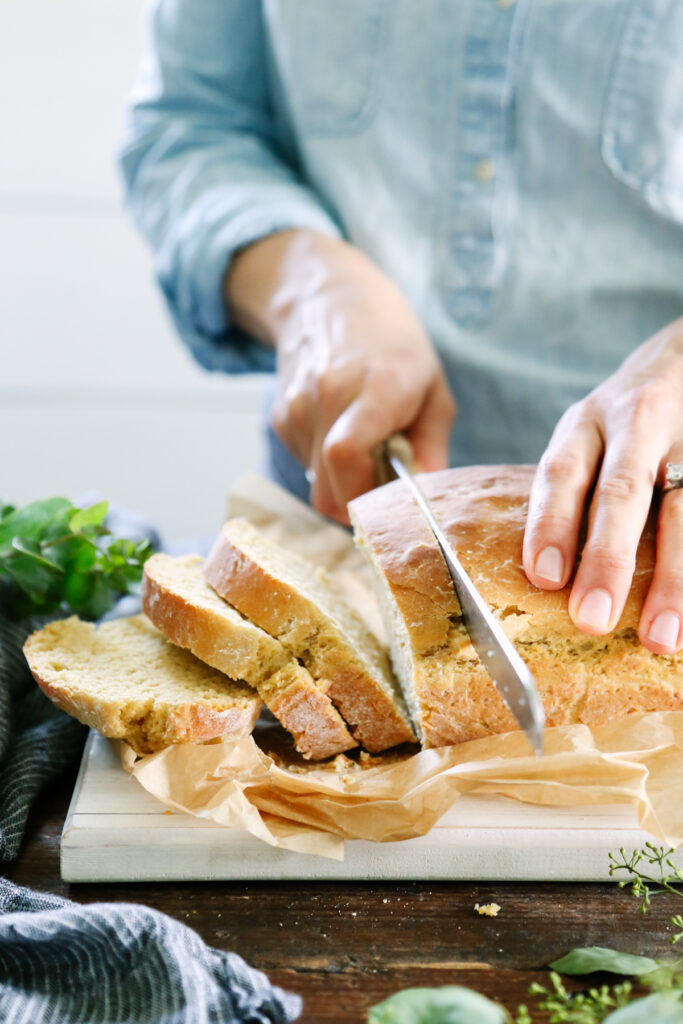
(550, 565)
(595, 610)
(664, 630)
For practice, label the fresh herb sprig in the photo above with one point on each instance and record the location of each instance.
(644, 886)
(615, 1004)
(54, 555)
(607, 1004)
(563, 1007)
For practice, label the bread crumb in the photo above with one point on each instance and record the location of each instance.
(342, 764)
(487, 909)
(168, 812)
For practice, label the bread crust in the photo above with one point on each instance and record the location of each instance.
(307, 713)
(266, 597)
(237, 648)
(482, 510)
(245, 652)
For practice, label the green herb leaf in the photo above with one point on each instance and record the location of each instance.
(591, 1007)
(93, 516)
(34, 579)
(669, 975)
(663, 1008)
(596, 958)
(32, 550)
(30, 520)
(54, 555)
(448, 1005)
(78, 587)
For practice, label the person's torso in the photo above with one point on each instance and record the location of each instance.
(516, 167)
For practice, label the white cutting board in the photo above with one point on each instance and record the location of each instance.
(116, 831)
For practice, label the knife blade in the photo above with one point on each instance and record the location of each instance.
(509, 674)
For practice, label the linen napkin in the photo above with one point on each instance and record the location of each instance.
(121, 963)
(37, 742)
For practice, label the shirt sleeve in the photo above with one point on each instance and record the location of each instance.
(203, 170)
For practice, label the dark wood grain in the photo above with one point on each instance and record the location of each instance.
(346, 945)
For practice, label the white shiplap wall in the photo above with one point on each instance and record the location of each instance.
(96, 392)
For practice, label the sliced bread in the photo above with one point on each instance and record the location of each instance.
(295, 602)
(177, 599)
(126, 680)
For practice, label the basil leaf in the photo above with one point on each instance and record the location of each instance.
(32, 550)
(451, 1004)
(92, 516)
(58, 531)
(596, 958)
(52, 554)
(662, 1008)
(33, 578)
(31, 519)
(99, 600)
(71, 552)
(78, 587)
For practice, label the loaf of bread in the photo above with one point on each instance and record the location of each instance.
(177, 599)
(127, 681)
(580, 678)
(295, 602)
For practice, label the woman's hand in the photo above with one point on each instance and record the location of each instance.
(619, 439)
(354, 365)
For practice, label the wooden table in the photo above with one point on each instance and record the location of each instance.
(344, 946)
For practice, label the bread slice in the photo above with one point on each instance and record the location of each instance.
(129, 682)
(295, 602)
(176, 597)
(580, 678)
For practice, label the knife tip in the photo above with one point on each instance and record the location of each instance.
(536, 741)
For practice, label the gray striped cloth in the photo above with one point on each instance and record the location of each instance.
(62, 963)
(120, 963)
(37, 742)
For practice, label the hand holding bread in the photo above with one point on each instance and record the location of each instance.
(483, 511)
(618, 441)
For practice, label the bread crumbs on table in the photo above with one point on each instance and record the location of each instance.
(487, 909)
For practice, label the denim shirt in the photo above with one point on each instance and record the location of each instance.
(515, 167)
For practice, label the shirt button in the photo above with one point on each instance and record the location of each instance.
(484, 170)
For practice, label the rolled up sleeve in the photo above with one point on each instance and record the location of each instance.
(203, 170)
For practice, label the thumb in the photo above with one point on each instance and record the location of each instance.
(430, 431)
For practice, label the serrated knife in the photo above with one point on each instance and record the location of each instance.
(509, 674)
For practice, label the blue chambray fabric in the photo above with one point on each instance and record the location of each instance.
(516, 168)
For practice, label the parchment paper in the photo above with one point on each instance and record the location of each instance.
(260, 783)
